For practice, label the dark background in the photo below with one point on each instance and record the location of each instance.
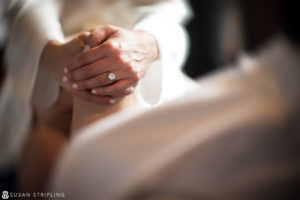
(261, 19)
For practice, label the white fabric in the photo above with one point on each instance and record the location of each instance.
(27, 37)
(192, 145)
(38, 21)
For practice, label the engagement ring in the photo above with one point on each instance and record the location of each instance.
(111, 76)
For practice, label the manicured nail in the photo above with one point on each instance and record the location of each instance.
(94, 91)
(74, 85)
(86, 47)
(112, 101)
(128, 90)
(66, 70)
(115, 44)
(65, 79)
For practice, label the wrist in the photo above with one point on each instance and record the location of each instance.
(50, 54)
(152, 43)
(52, 60)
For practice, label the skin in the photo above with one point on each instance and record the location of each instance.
(127, 54)
(57, 55)
(109, 51)
(51, 126)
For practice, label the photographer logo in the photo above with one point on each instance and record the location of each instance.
(5, 195)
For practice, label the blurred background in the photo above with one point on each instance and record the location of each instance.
(3, 32)
(219, 32)
(223, 29)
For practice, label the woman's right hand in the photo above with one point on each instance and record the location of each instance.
(115, 63)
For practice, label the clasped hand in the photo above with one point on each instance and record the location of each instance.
(112, 63)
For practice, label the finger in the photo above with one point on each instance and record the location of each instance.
(120, 88)
(84, 36)
(94, 69)
(75, 46)
(88, 96)
(91, 55)
(100, 35)
(100, 80)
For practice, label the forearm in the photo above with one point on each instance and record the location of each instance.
(85, 113)
(31, 28)
(51, 60)
(165, 21)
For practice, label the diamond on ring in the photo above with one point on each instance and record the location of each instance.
(111, 76)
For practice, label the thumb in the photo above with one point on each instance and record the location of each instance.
(84, 36)
(100, 35)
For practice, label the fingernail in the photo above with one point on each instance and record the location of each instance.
(74, 85)
(66, 70)
(128, 90)
(115, 44)
(125, 58)
(65, 79)
(112, 101)
(86, 47)
(94, 91)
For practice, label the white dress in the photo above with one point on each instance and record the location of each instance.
(38, 21)
(226, 140)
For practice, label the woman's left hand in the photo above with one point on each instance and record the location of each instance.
(115, 60)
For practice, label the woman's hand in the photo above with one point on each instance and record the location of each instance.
(56, 56)
(115, 60)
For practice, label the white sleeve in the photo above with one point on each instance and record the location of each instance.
(174, 147)
(34, 24)
(164, 21)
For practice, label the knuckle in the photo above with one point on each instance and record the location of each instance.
(127, 67)
(113, 46)
(133, 73)
(134, 84)
(109, 45)
(119, 57)
(135, 78)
